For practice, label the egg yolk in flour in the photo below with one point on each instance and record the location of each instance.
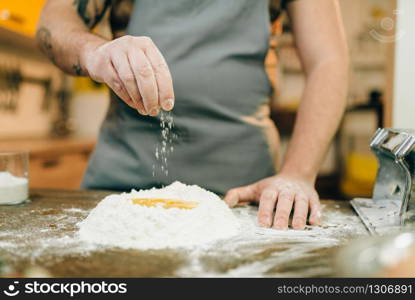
(165, 203)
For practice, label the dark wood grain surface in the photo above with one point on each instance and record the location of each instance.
(41, 234)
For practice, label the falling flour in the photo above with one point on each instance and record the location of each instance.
(13, 190)
(165, 147)
(117, 221)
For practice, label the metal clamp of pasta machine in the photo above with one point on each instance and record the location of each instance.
(392, 207)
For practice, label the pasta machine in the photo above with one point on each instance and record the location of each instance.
(392, 206)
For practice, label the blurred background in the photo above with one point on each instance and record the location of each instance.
(57, 117)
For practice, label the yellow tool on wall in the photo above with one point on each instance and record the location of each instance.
(20, 15)
(360, 175)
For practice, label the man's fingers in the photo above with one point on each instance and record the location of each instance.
(267, 207)
(282, 213)
(315, 211)
(141, 69)
(163, 77)
(300, 212)
(115, 83)
(146, 80)
(240, 194)
(122, 67)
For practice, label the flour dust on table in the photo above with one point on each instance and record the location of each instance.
(176, 216)
(46, 232)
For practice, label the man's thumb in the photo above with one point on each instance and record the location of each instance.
(240, 194)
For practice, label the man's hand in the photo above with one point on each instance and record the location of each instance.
(319, 114)
(277, 196)
(134, 69)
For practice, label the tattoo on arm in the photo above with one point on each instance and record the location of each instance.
(44, 38)
(91, 11)
(77, 69)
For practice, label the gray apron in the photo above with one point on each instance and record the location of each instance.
(215, 50)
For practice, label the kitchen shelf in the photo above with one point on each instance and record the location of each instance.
(20, 44)
(54, 162)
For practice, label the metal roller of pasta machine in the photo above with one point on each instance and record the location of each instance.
(392, 207)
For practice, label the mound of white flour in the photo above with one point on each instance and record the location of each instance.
(117, 222)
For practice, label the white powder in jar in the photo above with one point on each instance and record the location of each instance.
(117, 221)
(13, 190)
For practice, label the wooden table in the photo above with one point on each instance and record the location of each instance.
(54, 162)
(42, 233)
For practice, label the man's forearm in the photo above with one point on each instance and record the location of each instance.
(318, 117)
(63, 34)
